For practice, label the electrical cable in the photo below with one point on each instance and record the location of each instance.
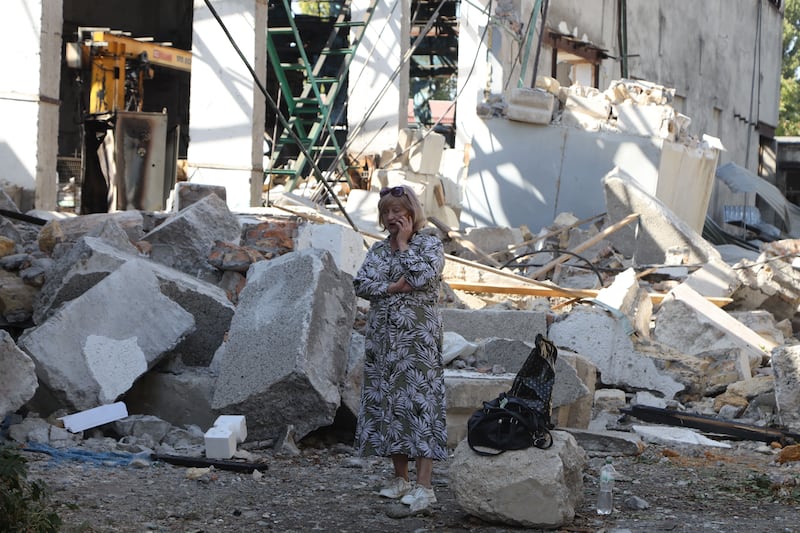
(556, 252)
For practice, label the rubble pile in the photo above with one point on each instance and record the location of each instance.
(190, 315)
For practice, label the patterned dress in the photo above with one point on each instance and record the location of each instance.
(403, 399)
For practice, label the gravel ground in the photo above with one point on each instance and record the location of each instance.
(325, 488)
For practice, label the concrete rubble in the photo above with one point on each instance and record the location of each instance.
(199, 313)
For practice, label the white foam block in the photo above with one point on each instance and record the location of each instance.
(97, 416)
(220, 443)
(235, 423)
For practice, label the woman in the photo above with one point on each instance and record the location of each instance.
(402, 412)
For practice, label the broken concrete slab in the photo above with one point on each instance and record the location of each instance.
(18, 381)
(33, 429)
(512, 354)
(658, 229)
(600, 337)
(529, 488)
(92, 259)
(578, 413)
(771, 285)
(739, 393)
(715, 278)
(93, 348)
(465, 391)
(500, 323)
(184, 240)
(608, 442)
(691, 324)
(786, 363)
(425, 156)
(287, 348)
(189, 193)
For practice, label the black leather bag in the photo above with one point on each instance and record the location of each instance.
(520, 418)
(506, 423)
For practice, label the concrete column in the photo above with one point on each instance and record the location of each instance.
(227, 108)
(30, 35)
(477, 70)
(372, 78)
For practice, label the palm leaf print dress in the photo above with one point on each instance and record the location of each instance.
(403, 399)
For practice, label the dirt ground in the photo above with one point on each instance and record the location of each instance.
(325, 488)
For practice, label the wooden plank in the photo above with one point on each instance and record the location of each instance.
(549, 234)
(554, 291)
(586, 244)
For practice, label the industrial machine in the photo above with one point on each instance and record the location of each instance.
(129, 157)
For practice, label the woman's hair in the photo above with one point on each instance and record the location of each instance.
(407, 199)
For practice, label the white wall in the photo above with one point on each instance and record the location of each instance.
(711, 52)
(523, 174)
(370, 78)
(30, 36)
(227, 109)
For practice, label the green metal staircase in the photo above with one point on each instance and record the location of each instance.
(310, 106)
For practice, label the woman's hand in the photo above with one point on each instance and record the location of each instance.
(406, 228)
(401, 285)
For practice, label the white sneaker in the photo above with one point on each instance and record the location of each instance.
(419, 498)
(398, 488)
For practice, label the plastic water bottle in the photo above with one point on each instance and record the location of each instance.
(605, 497)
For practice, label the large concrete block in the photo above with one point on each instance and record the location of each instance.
(68, 230)
(94, 347)
(344, 244)
(287, 348)
(180, 398)
(530, 488)
(532, 98)
(646, 120)
(424, 157)
(92, 259)
(184, 240)
(530, 115)
(658, 228)
(600, 337)
(465, 392)
(691, 324)
(18, 382)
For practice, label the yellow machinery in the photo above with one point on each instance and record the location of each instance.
(143, 149)
(118, 65)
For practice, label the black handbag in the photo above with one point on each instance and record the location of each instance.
(520, 418)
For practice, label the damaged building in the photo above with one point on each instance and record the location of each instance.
(188, 188)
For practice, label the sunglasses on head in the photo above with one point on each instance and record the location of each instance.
(394, 191)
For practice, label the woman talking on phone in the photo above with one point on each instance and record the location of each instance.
(402, 413)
